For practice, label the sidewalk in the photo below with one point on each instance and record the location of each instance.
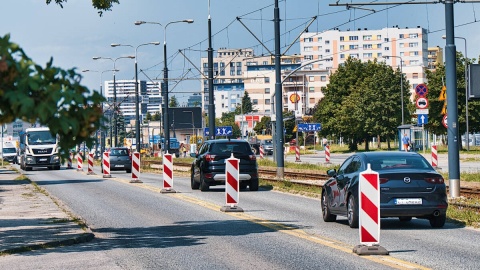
(30, 220)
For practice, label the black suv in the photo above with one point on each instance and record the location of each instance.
(120, 159)
(208, 168)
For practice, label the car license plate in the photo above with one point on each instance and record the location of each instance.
(43, 159)
(408, 201)
(120, 166)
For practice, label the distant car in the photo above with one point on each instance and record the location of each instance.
(267, 147)
(208, 168)
(120, 159)
(409, 187)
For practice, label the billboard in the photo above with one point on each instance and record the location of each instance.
(474, 81)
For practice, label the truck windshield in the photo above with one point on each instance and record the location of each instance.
(41, 137)
(9, 150)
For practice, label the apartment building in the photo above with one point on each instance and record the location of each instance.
(435, 57)
(149, 97)
(405, 48)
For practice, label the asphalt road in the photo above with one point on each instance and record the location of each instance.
(137, 227)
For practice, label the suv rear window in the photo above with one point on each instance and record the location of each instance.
(230, 147)
(119, 152)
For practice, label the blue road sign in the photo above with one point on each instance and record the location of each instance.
(309, 127)
(422, 119)
(219, 131)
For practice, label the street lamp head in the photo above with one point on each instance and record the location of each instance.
(139, 22)
(86, 70)
(188, 21)
(96, 57)
(114, 44)
(444, 37)
(155, 43)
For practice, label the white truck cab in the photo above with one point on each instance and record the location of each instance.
(38, 148)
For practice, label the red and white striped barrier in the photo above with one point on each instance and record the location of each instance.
(90, 164)
(297, 154)
(232, 185)
(262, 152)
(106, 165)
(167, 174)
(434, 156)
(136, 168)
(69, 161)
(369, 213)
(327, 154)
(79, 162)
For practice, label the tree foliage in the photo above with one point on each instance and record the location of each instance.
(173, 102)
(436, 80)
(362, 100)
(100, 5)
(47, 95)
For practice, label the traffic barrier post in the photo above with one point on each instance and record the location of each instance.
(106, 165)
(168, 174)
(232, 185)
(90, 164)
(297, 154)
(327, 154)
(261, 151)
(136, 168)
(69, 161)
(434, 157)
(369, 214)
(79, 162)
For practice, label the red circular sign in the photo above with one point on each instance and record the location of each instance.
(294, 98)
(421, 103)
(444, 121)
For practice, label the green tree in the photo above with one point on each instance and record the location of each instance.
(436, 80)
(173, 102)
(228, 119)
(47, 95)
(264, 126)
(149, 116)
(362, 101)
(247, 106)
(156, 116)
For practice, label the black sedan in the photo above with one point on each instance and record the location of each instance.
(409, 187)
(208, 168)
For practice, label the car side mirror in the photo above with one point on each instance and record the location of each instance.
(193, 155)
(332, 172)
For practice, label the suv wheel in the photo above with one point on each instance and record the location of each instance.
(203, 185)
(193, 184)
(352, 212)
(326, 214)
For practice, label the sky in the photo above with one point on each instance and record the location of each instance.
(72, 35)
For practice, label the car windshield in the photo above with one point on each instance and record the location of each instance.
(393, 162)
(230, 147)
(9, 150)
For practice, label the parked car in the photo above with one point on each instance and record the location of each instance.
(267, 147)
(208, 168)
(409, 187)
(120, 159)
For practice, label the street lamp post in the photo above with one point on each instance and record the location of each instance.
(401, 83)
(102, 133)
(137, 96)
(114, 90)
(166, 126)
(467, 139)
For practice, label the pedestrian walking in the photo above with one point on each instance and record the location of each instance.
(184, 150)
(406, 142)
(324, 142)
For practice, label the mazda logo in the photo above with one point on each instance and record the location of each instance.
(407, 180)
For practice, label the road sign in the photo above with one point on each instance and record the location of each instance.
(421, 90)
(421, 103)
(421, 111)
(444, 109)
(444, 121)
(422, 119)
(443, 94)
(309, 127)
(219, 131)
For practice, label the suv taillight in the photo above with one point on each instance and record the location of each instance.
(435, 180)
(252, 157)
(209, 157)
